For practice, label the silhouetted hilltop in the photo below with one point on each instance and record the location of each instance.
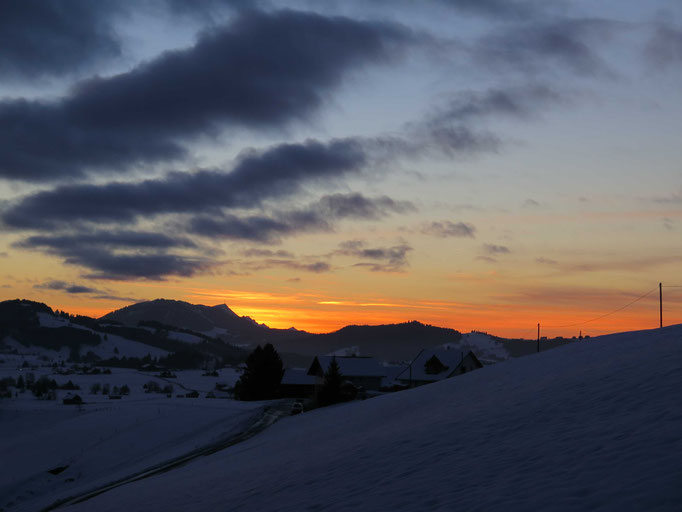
(218, 320)
(389, 342)
(20, 313)
(109, 342)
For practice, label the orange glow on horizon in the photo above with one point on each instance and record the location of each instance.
(510, 318)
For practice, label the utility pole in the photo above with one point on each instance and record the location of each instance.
(538, 337)
(660, 303)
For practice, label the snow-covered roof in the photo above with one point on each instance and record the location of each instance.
(298, 377)
(449, 358)
(354, 366)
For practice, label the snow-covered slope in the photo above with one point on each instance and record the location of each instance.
(111, 346)
(105, 440)
(590, 426)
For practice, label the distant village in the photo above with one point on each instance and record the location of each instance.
(57, 356)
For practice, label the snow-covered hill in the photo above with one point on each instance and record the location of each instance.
(590, 426)
(104, 440)
(111, 346)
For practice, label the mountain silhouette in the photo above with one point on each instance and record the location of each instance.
(218, 320)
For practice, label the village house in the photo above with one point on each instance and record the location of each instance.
(362, 372)
(70, 399)
(296, 383)
(434, 365)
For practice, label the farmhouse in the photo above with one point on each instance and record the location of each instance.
(434, 365)
(72, 400)
(364, 372)
(296, 383)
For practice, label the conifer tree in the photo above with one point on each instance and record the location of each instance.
(331, 390)
(263, 373)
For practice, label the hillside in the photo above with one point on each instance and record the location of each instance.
(216, 320)
(588, 426)
(392, 342)
(32, 328)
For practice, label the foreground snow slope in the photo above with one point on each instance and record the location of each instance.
(104, 440)
(590, 426)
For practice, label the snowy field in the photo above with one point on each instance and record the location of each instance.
(104, 440)
(589, 426)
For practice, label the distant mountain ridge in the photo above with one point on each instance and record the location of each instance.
(219, 320)
(390, 342)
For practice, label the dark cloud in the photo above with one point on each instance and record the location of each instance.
(260, 71)
(77, 289)
(277, 171)
(118, 239)
(665, 47)
(257, 228)
(385, 259)
(450, 139)
(267, 253)
(316, 267)
(115, 297)
(567, 43)
(499, 10)
(152, 266)
(319, 216)
(126, 258)
(51, 37)
(68, 288)
(531, 203)
(496, 249)
(357, 206)
(106, 252)
(506, 9)
(446, 229)
(519, 102)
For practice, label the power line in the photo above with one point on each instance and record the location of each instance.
(605, 315)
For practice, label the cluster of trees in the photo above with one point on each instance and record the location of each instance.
(106, 389)
(128, 362)
(263, 375)
(154, 387)
(43, 387)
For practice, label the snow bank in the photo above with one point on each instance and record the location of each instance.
(589, 426)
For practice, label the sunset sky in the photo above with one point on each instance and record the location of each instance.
(475, 164)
